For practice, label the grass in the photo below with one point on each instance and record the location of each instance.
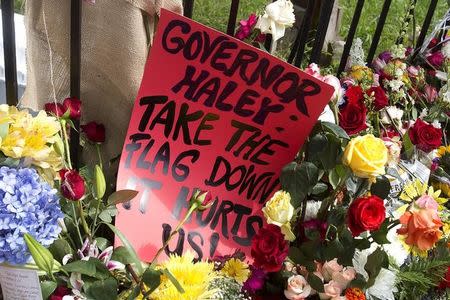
(215, 14)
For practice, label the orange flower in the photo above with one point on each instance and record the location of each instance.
(354, 294)
(421, 228)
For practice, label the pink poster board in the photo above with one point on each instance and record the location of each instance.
(217, 114)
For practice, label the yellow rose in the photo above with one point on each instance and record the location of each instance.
(279, 211)
(366, 155)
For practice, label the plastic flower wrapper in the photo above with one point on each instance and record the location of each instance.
(27, 205)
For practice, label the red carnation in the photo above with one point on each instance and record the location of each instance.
(269, 248)
(381, 100)
(73, 105)
(367, 213)
(445, 283)
(59, 293)
(56, 109)
(425, 136)
(94, 131)
(72, 184)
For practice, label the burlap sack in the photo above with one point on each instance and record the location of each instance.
(114, 50)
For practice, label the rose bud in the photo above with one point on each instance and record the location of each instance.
(72, 184)
(202, 199)
(73, 105)
(94, 132)
(56, 109)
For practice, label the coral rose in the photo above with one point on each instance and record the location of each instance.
(421, 228)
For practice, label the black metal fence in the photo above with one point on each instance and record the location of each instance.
(296, 56)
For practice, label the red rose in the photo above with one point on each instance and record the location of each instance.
(425, 136)
(352, 118)
(269, 248)
(367, 213)
(73, 105)
(432, 43)
(381, 100)
(59, 293)
(94, 132)
(56, 109)
(354, 94)
(72, 184)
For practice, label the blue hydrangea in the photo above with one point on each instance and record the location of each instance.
(28, 204)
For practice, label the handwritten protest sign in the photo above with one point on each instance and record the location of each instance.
(216, 114)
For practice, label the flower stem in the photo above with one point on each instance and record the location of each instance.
(173, 233)
(76, 223)
(66, 143)
(96, 215)
(100, 161)
(83, 220)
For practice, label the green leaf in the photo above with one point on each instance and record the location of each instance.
(333, 249)
(102, 243)
(381, 187)
(173, 280)
(380, 236)
(121, 196)
(59, 249)
(152, 278)
(41, 255)
(122, 255)
(131, 252)
(335, 129)
(107, 214)
(408, 146)
(329, 155)
(80, 266)
(319, 188)
(375, 261)
(47, 288)
(299, 180)
(103, 289)
(315, 146)
(315, 282)
(101, 271)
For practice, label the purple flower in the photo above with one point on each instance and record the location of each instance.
(246, 27)
(436, 59)
(256, 280)
(386, 56)
(27, 205)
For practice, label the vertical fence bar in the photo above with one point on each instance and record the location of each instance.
(232, 17)
(9, 51)
(75, 72)
(378, 30)
(350, 36)
(426, 24)
(302, 36)
(188, 8)
(324, 20)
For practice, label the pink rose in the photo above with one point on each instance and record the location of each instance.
(334, 82)
(436, 59)
(329, 268)
(314, 70)
(430, 93)
(332, 290)
(298, 288)
(345, 277)
(428, 202)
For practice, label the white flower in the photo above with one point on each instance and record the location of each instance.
(398, 51)
(446, 50)
(357, 57)
(395, 85)
(395, 249)
(424, 113)
(395, 114)
(384, 286)
(445, 93)
(277, 16)
(441, 75)
(312, 208)
(327, 115)
(436, 124)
